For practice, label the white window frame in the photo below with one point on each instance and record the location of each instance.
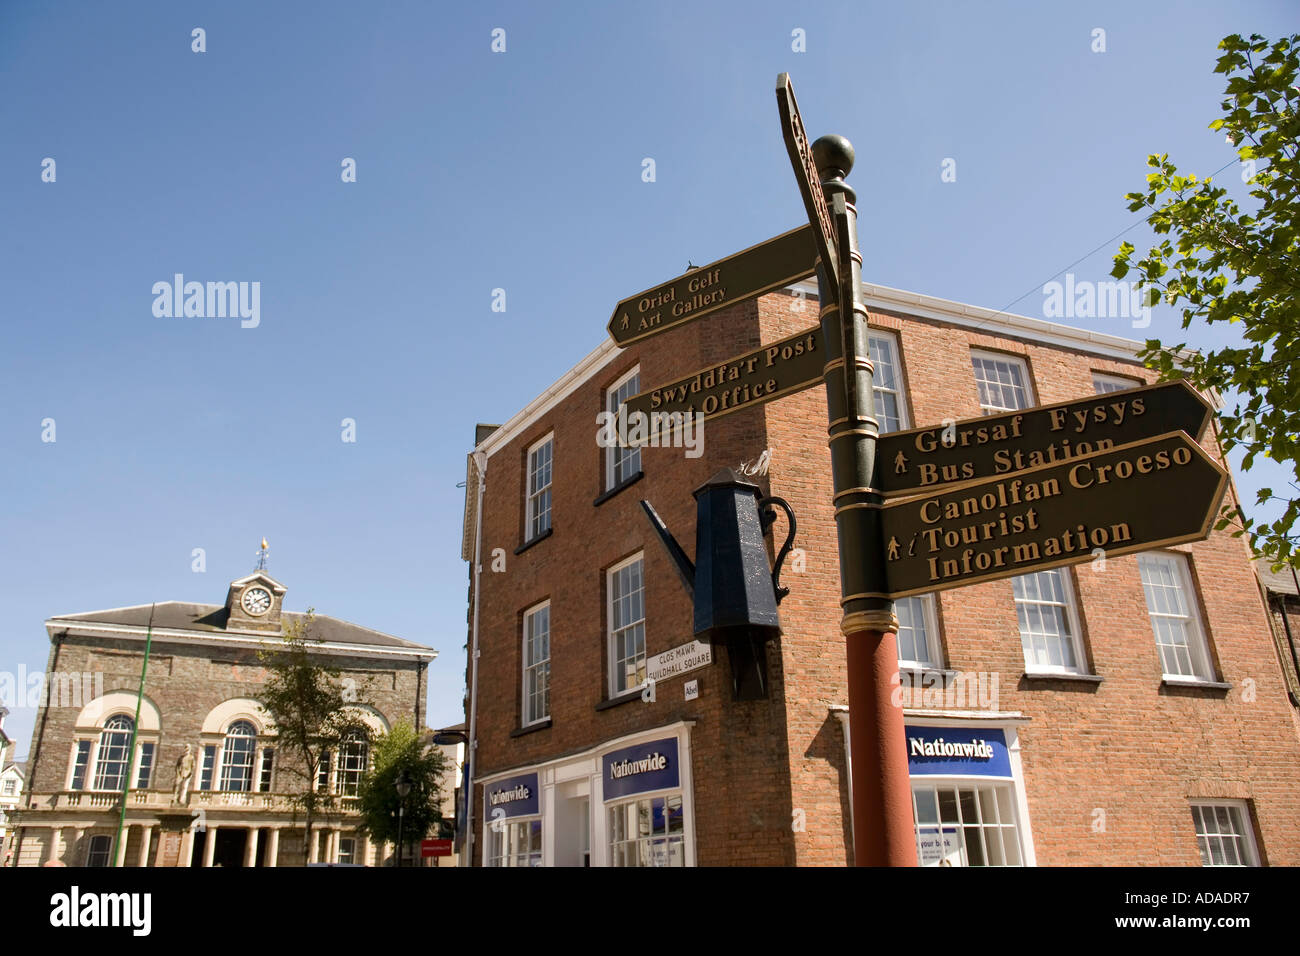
(93, 773)
(527, 718)
(531, 513)
(72, 763)
(501, 847)
(982, 827)
(613, 451)
(1014, 360)
(1198, 645)
(1104, 383)
(650, 840)
(1246, 838)
(899, 391)
(1071, 605)
(930, 620)
(219, 763)
(614, 690)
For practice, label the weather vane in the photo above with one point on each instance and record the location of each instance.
(261, 556)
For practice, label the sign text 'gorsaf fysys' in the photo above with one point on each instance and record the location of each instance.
(1134, 497)
(1046, 434)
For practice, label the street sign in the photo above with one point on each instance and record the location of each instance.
(430, 848)
(773, 264)
(806, 174)
(926, 459)
(771, 371)
(1134, 497)
(680, 660)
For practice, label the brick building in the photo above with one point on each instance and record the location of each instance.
(1128, 711)
(201, 699)
(1281, 590)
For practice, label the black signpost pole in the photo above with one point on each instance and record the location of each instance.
(882, 796)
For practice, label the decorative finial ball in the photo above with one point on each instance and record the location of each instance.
(833, 155)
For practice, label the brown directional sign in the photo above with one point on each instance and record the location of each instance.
(805, 173)
(772, 371)
(924, 459)
(769, 265)
(1134, 497)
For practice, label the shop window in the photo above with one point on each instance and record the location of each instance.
(621, 463)
(1223, 834)
(626, 612)
(1049, 627)
(1180, 640)
(514, 843)
(538, 506)
(650, 831)
(965, 825)
(1003, 382)
(537, 665)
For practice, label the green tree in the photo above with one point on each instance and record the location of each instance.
(1224, 264)
(314, 712)
(402, 749)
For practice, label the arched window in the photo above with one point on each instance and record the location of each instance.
(237, 757)
(114, 745)
(352, 766)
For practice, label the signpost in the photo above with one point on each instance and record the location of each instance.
(925, 458)
(975, 500)
(769, 265)
(1148, 494)
(772, 371)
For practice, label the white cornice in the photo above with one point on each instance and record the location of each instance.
(233, 637)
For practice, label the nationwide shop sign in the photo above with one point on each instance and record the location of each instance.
(773, 371)
(962, 751)
(515, 796)
(1134, 497)
(923, 459)
(773, 264)
(641, 768)
(680, 660)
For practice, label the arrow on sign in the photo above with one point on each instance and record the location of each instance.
(1135, 497)
(925, 459)
(780, 261)
(806, 174)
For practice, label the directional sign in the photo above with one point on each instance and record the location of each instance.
(769, 265)
(769, 372)
(1134, 497)
(925, 459)
(806, 174)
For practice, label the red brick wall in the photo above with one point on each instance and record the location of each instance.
(1127, 746)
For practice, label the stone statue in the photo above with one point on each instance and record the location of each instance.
(184, 772)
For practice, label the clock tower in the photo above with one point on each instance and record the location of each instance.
(254, 603)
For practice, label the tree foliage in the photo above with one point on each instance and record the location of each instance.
(314, 713)
(1225, 264)
(402, 749)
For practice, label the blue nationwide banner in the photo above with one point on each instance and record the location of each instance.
(641, 768)
(957, 751)
(515, 796)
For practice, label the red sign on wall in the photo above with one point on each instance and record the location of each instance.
(430, 848)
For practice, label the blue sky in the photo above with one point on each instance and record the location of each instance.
(475, 171)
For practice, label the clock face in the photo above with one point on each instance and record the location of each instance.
(256, 601)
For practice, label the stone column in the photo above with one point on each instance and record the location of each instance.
(250, 847)
(187, 847)
(313, 851)
(121, 845)
(73, 852)
(369, 858)
(146, 837)
(273, 846)
(209, 845)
